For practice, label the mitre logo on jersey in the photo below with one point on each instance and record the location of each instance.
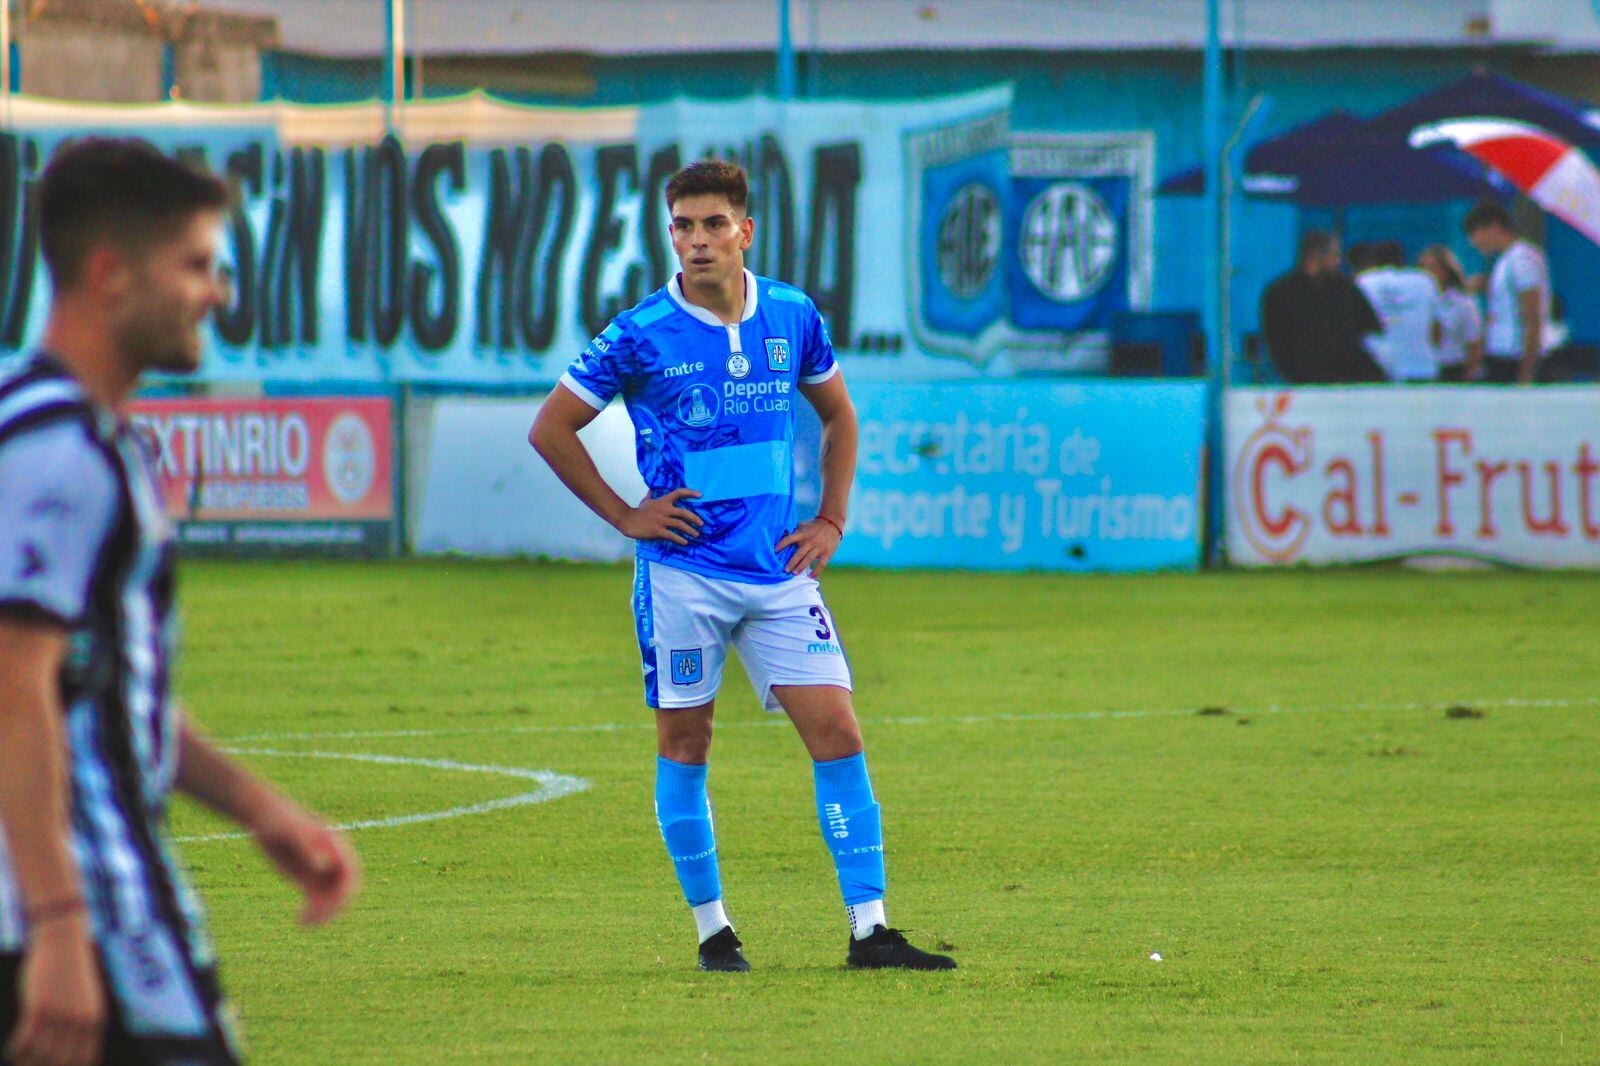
(684, 369)
(1273, 453)
(738, 365)
(777, 354)
(686, 666)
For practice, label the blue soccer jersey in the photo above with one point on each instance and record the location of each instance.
(713, 410)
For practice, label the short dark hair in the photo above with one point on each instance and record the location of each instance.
(1361, 255)
(1388, 253)
(1314, 243)
(123, 190)
(710, 176)
(1485, 215)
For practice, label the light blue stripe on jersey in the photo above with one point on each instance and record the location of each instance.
(10, 908)
(105, 847)
(740, 471)
(655, 313)
(142, 638)
(784, 292)
(38, 394)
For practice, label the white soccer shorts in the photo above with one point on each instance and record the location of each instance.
(784, 635)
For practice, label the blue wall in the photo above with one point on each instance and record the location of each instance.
(1158, 91)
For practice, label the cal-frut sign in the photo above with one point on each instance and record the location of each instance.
(1356, 474)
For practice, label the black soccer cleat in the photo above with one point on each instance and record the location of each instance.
(719, 953)
(887, 949)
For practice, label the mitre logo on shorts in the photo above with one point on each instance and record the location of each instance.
(686, 666)
(777, 354)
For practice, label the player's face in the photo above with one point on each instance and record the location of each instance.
(1490, 239)
(710, 237)
(1330, 258)
(174, 287)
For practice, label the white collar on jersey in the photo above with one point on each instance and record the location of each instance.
(675, 290)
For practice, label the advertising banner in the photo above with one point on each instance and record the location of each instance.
(1343, 475)
(267, 476)
(491, 256)
(1027, 475)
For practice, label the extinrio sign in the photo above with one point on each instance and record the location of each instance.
(249, 476)
(1338, 475)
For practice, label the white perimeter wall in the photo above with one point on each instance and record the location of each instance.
(478, 487)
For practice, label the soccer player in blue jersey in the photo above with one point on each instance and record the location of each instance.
(710, 367)
(103, 951)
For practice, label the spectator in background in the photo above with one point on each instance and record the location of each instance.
(1361, 258)
(1460, 321)
(1515, 336)
(1407, 302)
(1315, 319)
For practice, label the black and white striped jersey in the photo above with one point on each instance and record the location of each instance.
(85, 544)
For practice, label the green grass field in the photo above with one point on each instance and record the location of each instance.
(1332, 866)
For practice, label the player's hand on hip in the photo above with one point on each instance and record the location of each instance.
(814, 543)
(660, 518)
(62, 1005)
(316, 857)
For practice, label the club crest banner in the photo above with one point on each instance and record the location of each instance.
(957, 193)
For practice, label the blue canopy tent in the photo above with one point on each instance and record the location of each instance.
(1273, 160)
(1374, 162)
(1485, 95)
(1339, 160)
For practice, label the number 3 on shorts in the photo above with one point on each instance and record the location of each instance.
(823, 630)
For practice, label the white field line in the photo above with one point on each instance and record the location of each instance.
(912, 720)
(551, 786)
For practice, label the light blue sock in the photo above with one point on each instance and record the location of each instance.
(851, 827)
(684, 814)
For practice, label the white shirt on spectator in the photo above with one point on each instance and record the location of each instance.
(1460, 324)
(1520, 268)
(1407, 302)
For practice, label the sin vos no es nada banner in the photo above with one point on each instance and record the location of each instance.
(934, 241)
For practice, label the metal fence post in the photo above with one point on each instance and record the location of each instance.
(786, 78)
(1212, 108)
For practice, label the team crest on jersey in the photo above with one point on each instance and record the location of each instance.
(697, 405)
(686, 666)
(777, 354)
(738, 365)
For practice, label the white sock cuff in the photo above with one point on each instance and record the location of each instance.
(864, 916)
(709, 918)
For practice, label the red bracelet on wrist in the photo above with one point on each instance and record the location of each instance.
(831, 522)
(60, 908)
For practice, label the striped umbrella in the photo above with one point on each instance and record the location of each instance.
(1553, 173)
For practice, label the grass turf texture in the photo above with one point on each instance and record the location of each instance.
(1367, 879)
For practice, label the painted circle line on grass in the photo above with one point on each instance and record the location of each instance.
(551, 786)
(913, 720)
